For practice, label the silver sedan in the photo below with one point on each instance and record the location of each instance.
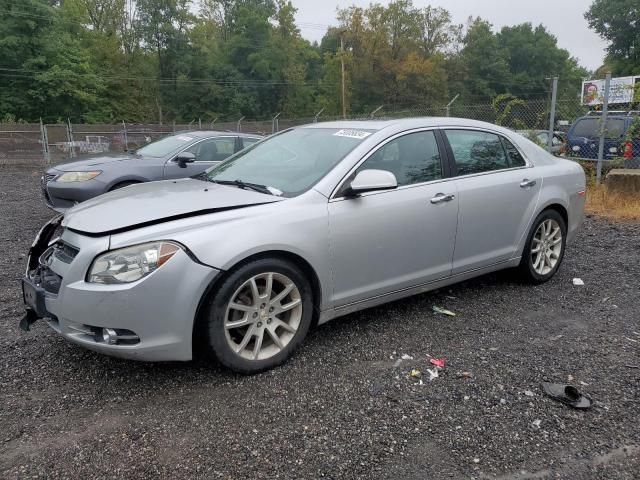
(305, 226)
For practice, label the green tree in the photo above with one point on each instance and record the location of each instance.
(142, 60)
(396, 54)
(533, 56)
(46, 70)
(618, 22)
(484, 63)
(164, 27)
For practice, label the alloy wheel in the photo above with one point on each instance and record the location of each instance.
(263, 316)
(546, 247)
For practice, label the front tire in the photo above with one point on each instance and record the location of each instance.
(259, 315)
(544, 250)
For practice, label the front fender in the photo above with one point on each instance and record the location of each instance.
(222, 240)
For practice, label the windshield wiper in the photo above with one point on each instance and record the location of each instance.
(244, 185)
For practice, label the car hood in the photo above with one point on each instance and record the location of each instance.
(93, 161)
(150, 203)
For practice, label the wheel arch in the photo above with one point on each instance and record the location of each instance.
(120, 181)
(558, 207)
(311, 274)
(552, 204)
(561, 209)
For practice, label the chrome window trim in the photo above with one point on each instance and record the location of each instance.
(334, 192)
(480, 174)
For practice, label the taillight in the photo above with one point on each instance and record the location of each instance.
(628, 150)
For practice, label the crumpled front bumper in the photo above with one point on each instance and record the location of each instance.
(155, 314)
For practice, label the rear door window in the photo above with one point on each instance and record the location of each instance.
(248, 141)
(476, 152)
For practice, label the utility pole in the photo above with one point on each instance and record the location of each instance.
(552, 114)
(344, 105)
(603, 127)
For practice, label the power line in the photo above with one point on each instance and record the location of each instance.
(24, 73)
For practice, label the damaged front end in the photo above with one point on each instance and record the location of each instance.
(39, 279)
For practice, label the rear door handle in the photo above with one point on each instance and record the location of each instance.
(441, 198)
(526, 183)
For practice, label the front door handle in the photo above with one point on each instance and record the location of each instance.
(441, 198)
(526, 183)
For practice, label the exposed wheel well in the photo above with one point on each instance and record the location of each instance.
(561, 210)
(124, 184)
(307, 269)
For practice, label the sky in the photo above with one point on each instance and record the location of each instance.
(563, 18)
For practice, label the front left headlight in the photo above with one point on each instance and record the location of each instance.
(130, 264)
(68, 177)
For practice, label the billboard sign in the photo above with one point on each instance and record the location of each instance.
(621, 90)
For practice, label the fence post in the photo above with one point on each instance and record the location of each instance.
(274, 123)
(603, 127)
(373, 114)
(552, 114)
(239, 125)
(448, 107)
(174, 126)
(126, 140)
(70, 139)
(45, 142)
(199, 124)
(315, 119)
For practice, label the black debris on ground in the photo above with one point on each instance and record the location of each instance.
(345, 405)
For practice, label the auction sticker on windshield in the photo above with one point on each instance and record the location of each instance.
(360, 134)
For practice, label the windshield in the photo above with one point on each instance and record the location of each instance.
(291, 162)
(165, 146)
(590, 128)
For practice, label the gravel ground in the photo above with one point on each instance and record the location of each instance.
(343, 407)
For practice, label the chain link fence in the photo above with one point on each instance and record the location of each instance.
(40, 144)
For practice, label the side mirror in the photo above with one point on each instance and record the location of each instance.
(371, 181)
(185, 157)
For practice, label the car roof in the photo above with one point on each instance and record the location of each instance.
(407, 123)
(538, 131)
(618, 115)
(212, 133)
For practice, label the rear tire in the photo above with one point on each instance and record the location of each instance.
(544, 250)
(258, 316)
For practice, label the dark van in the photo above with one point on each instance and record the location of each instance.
(584, 136)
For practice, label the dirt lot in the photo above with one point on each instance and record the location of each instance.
(340, 408)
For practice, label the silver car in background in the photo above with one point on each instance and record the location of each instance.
(306, 226)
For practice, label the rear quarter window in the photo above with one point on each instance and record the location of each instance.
(513, 154)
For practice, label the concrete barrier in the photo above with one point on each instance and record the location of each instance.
(623, 180)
